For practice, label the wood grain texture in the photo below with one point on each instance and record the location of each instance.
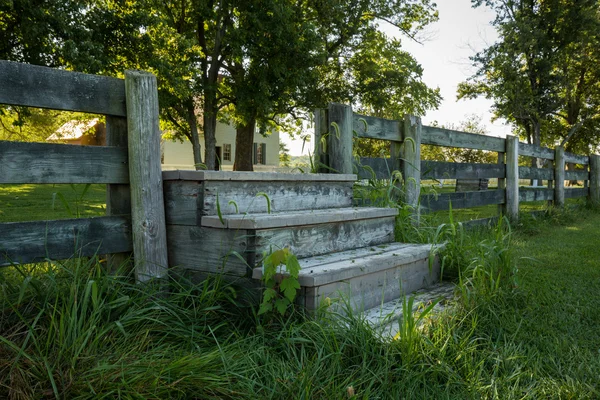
(61, 163)
(35, 86)
(449, 138)
(183, 202)
(284, 196)
(376, 128)
(559, 175)
(462, 200)
(536, 173)
(511, 205)
(447, 170)
(374, 168)
(147, 203)
(208, 250)
(577, 175)
(595, 179)
(339, 143)
(321, 128)
(411, 161)
(576, 158)
(531, 150)
(579, 192)
(26, 242)
(536, 194)
(247, 176)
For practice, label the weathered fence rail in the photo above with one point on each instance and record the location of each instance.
(129, 165)
(334, 127)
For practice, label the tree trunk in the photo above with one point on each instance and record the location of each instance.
(244, 146)
(210, 128)
(195, 138)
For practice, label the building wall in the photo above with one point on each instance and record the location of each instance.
(178, 155)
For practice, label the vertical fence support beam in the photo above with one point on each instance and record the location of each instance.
(319, 153)
(511, 205)
(411, 162)
(339, 139)
(559, 176)
(501, 181)
(118, 197)
(594, 180)
(147, 203)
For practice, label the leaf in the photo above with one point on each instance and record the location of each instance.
(289, 286)
(292, 264)
(265, 308)
(269, 295)
(281, 305)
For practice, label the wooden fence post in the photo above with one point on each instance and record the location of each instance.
(559, 176)
(339, 140)
(594, 179)
(320, 153)
(501, 181)
(511, 205)
(118, 197)
(411, 161)
(147, 203)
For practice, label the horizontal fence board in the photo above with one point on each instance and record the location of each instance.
(381, 167)
(26, 242)
(581, 192)
(536, 173)
(577, 175)
(377, 128)
(35, 86)
(62, 163)
(526, 149)
(447, 170)
(576, 158)
(462, 200)
(449, 138)
(536, 194)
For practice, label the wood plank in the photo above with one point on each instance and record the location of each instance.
(530, 150)
(576, 158)
(580, 192)
(536, 194)
(448, 170)
(536, 173)
(411, 162)
(450, 138)
(462, 200)
(339, 142)
(35, 86)
(61, 163)
(374, 168)
(376, 128)
(147, 202)
(183, 202)
(577, 175)
(320, 155)
(559, 174)
(26, 242)
(595, 179)
(511, 206)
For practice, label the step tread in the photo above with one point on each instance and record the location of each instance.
(295, 218)
(335, 267)
(255, 176)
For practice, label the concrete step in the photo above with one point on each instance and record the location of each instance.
(190, 195)
(305, 233)
(366, 277)
(387, 317)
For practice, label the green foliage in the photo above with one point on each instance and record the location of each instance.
(280, 291)
(78, 198)
(285, 159)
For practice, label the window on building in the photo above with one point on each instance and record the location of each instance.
(260, 153)
(226, 152)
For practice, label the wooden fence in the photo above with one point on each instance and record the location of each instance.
(129, 165)
(337, 126)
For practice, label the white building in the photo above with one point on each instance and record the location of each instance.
(177, 155)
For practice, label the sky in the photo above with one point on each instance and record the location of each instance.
(459, 33)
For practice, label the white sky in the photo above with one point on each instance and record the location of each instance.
(460, 32)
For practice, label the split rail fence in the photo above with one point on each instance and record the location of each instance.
(339, 124)
(129, 165)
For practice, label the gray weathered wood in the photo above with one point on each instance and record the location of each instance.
(536, 173)
(576, 158)
(376, 128)
(501, 181)
(251, 176)
(118, 196)
(511, 206)
(411, 162)
(536, 194)
(447, 170)
(374, 168)
(449, 138)
(559, 174)
(579, 192)
(532, 150)
(35, 86)
(577, 175)
(470, 185)
(26, 242)
(61, 163)
(595, 179)
(183, 202)
(321, 128)
(148, 211)
(462, 200)
(339, 141)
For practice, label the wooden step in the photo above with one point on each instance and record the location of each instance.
(368, 276)
(190, 195)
